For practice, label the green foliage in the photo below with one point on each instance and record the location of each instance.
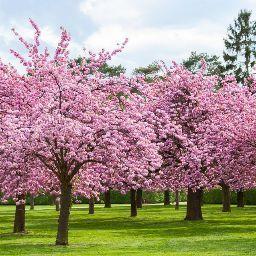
(211, 197)
(116, 198)
(39, 200)
(215, 197)
(42, 200)
(250, 197)
(240, 44)
(152, 198)
(194, 63)
(156, 231)
(150, 72)
(109, 70)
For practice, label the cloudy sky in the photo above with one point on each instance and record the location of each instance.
(157, 29)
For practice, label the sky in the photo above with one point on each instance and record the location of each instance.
(157, 29)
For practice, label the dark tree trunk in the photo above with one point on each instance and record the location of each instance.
(202, 198)
(57, 203)
(194, 211)
(53, 197)
(133, 203)
(65, 202)
(91, 206)
(107, 199)
(177, 200)
(19, 221)
(32, 202)
(226, 198)
(166, 198)
(240, 198)
(139, 198)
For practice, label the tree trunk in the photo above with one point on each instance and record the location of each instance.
(32, 202)
(240, 198)
(139, 198)
(226, 198)
(133, 203)
(19, 221)
(91, 206)
(177, 200)
(57, 203)
(65, 202)
(202, 198)
(52, 199)
(166, 197)
(107, 199)
(194, 211)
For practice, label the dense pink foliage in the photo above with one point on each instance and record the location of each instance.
(205, 132)
(180, 106)
(71, 123)
(64, 121)
(229, 135)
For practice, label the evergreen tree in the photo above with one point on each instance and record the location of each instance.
(108, 70)
(149, 72)
(111, 70)
(240, 44)
(194, 63)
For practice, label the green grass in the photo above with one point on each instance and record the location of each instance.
(157, 230)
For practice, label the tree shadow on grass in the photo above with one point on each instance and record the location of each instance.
(105, 221)
(161, 225)
(170, 247)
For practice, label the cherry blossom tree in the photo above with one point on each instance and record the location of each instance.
(77, 120)
(180, 104)
(19, 175)
(69, 130)
(226, 137)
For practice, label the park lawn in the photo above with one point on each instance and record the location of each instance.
(157, 230)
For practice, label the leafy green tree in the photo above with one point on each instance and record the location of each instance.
(240, 46)
(111, 70)
(194, 63)
(150, 72)
(108, 70)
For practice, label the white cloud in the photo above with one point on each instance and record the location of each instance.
(250, 3)
(48, 36)
(157, 29)
(153, 43)
(117, 19)
(5, 35)
(108, 36)
(105, 12)
(25, 31)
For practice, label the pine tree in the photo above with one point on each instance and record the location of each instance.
(111, 70)
(150, 72)
(108, 70)
(240, 44)
(194, 63)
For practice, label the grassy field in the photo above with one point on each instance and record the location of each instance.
(157, 230)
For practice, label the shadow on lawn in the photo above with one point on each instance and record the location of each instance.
(145, 224)
(203, 247)
(153, 222)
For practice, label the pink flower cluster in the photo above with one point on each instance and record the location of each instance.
(64, 123)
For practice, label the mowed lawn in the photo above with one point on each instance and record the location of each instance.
(157, 230)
